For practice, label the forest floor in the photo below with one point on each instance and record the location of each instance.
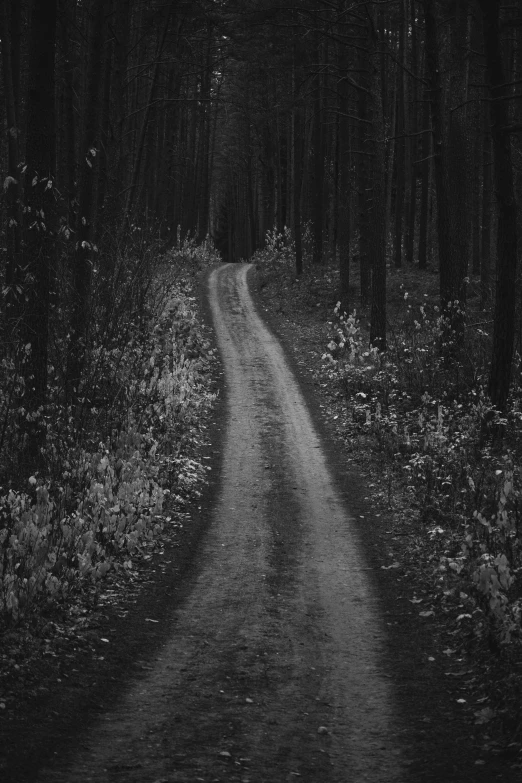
(67, 674)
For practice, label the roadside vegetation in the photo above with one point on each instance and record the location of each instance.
(116, 466)
(442, 463)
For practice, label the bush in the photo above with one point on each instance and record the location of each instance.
(428, 415)
(113, 457)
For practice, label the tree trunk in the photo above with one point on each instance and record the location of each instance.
(485, 244)
(378, 214)
(11, 61)
(344, 219)
(400, 154)
(425, 188)
(459, 166)
(364, 205)
(119, 146)
(446, 257)
(298, 182)
(505, 300)
(412, 147)
(85, 249)
(69, 113)
(39, 244)
(318, 180)
(140, 148)
(103, 162)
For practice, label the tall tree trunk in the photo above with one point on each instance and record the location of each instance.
(364, 205)
(425, 187)
(69, 110)
(103, 161)
(459, 166)
(378, 215)
(298, 182)
(412, 146)
(485, 244)
(400, 153)
(140, 148)
(205, 129)
(344, 220)
(318, 180)
(120, 145)
(446, 256)
(476, 205)
(505, 300)
(297, 154)
(9, 22)
(39, 239)
(85, 248)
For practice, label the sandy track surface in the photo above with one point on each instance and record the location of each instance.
(276, 667)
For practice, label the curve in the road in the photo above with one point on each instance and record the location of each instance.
(275, 668)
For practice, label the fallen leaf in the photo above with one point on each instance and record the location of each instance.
(393, 565)
(484, 715)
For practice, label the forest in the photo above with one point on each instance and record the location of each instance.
(359, 147)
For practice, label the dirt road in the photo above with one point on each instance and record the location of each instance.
(276, 668)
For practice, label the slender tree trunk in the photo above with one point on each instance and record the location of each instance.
(10, 61)
(140, 148)
(205, 129)
(446, 257)
(344, 220)
(485, 245)
(39, 244)
(103, 162)
(400, 155)
(364, 205)
(119, 146)
(318, 196)
(85, 248)
(425, 188)
(378, 215)
(412, 147)
(69, 113)
(459, 167)
(505, 300)
(298, 182)
(476, 207)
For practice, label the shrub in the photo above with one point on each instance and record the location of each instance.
(442, 445)
(114, 457)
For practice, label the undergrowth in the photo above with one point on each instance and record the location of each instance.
(444, 464)
(118, 459)
(432, 425)
(433, 432)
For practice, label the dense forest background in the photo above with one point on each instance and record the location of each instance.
(143, 139)
(376, 132)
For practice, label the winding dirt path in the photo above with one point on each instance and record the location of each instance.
(276, 668)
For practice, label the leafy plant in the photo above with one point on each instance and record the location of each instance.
(430, 420)
(114, 458)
